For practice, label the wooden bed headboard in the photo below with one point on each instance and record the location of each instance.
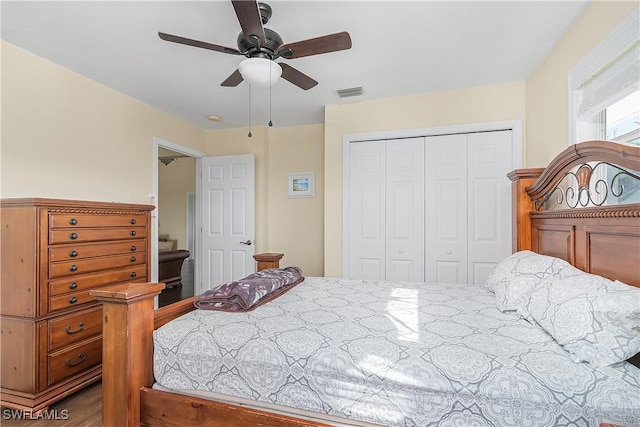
(583, 208)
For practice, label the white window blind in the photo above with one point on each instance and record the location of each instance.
(607, 74)
(617, 79)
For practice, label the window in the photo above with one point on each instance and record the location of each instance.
(604, 88)
(622, 120)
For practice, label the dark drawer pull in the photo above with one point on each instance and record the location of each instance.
(132, 259)
(81, 358)
(73, 221)
(73, 254)
(73, 236)
(133, 221)
(133, 274)
(133, 248)
(133, 232)
(73, 285)
(73, 268)
(80, 329)
(73, 300)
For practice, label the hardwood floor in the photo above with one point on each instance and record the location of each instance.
(81, 409)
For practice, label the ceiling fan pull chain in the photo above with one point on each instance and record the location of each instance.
(270, 86)
(249, 135)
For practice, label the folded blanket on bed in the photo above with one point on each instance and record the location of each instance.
(250, 292)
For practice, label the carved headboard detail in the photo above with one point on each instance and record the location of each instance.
(584, 207)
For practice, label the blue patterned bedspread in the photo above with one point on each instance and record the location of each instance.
(394, 354)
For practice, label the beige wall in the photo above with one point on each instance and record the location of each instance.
(458, 107)
(174, 182)
(65, 136)
(547, 130)
(290, 226)
(296, 225)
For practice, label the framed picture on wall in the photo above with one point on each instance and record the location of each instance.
(301, 184)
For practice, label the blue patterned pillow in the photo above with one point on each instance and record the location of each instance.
(515, 278)
(594, 319)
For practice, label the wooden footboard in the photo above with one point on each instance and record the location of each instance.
(127, 360)
(127, 349)
(160, 408)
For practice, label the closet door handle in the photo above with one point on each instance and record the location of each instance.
(248, 243)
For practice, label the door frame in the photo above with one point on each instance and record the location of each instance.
(515, 126)
(157, 143)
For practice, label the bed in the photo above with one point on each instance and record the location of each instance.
(468, 363)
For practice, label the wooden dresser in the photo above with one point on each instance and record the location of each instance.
(52, 253)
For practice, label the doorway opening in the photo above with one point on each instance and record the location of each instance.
(174, 221)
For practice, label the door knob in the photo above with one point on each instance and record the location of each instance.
(248, 243)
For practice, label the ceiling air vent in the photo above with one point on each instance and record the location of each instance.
(349, 92)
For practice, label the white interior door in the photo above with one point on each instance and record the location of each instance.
(468, 205)
(405, 210)
(446, 211)
(227, 188)
(386, 210)
(433, 208)
(367, 213)
(489, 202)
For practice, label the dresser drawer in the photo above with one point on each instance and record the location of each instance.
(74, 299)
(67, 330)
(81, 266)
(91, 250)
(74, 359)
(95, 280)
(95, 220)
(66, 235)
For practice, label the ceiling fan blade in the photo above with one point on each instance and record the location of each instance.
(316, 46)
(233, 80)
(296, 77)
(197, 43)
(250, 20)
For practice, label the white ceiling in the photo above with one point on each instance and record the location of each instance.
(399, 48)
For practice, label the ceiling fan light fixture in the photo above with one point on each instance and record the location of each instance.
(260, 71)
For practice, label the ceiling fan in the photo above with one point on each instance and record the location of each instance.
(263, 46)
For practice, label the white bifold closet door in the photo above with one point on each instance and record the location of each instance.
(434, 209)
(386, 210)
(468, 206)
